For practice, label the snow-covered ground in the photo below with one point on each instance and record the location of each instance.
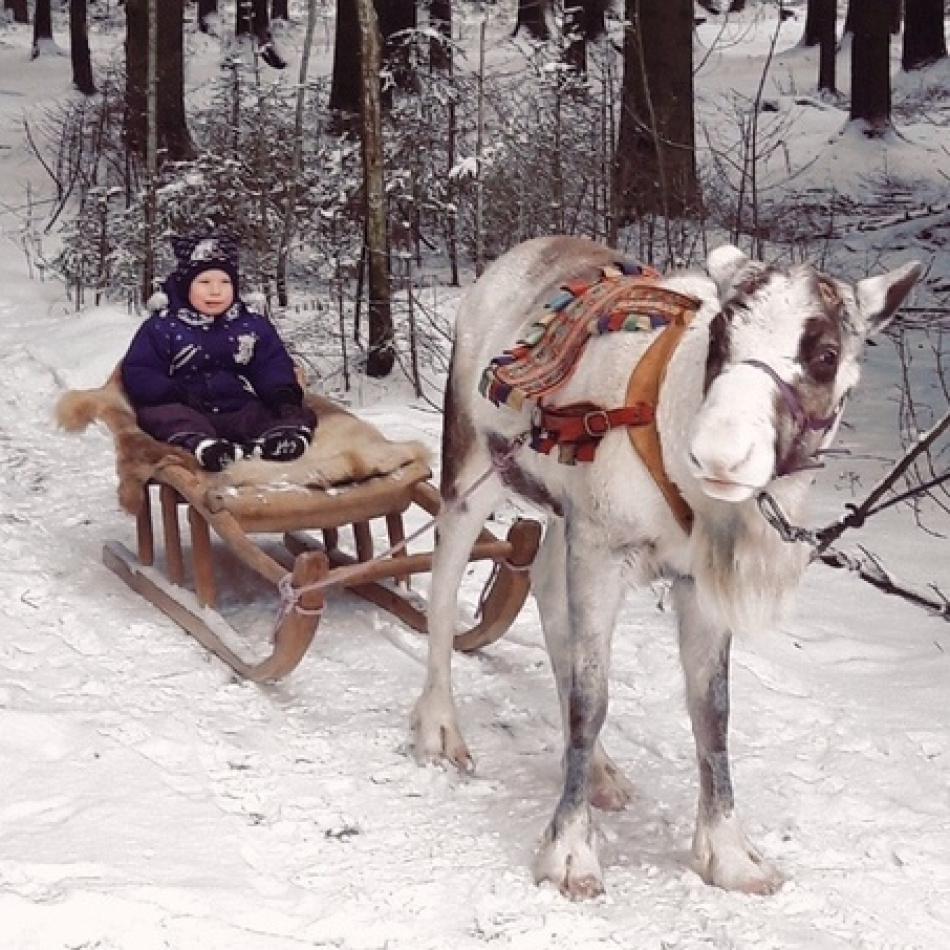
(149, 800)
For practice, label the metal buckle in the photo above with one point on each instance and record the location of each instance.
(597, 414)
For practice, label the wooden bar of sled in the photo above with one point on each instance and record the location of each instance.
(235, 515)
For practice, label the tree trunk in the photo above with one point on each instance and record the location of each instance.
(79, 48)
(396, 18)
(280, 10)
(655, 162)
(532, 15)
(42, 26)
(243, 17)
(826, 27)
(584, 22)
(345, 81)
(871, 65)
(924, 39)
(381, 356)
(893, 15)
(812, 35)
(252, 19)
(573, 39)
(171, 119)
(150, 200)
(293, 187)
(205, 9)
(440, 47)
(136, 69)
(171, 126)
(21, 12)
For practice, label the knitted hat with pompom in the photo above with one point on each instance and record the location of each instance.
(198, 254)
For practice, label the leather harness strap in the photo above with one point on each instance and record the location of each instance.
(581, 426)
(541, 364)
(643, 388)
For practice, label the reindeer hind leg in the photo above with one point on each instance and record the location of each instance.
(436, 733)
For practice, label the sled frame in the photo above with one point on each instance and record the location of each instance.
(310, 560)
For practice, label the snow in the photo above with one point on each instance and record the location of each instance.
(150, 800)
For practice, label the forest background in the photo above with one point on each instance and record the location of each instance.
(422, 147)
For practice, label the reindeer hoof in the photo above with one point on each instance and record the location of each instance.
(725, 858)
(610, 789)
(570, 862)
(436, 743)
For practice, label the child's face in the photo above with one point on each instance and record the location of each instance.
(211, 293)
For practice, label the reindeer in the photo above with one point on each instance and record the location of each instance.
(750, 395)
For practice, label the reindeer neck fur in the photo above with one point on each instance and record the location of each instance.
(744, 572)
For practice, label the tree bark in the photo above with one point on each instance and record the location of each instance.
(655, 162)
(924, 39)
(205, 9)
(171, 119)
(171, 131)
(893, 15)
(381, 356)
(21, 12)
(293, 186)
(136, 76)
(42, 26)
(345, 80)
(440, 47)
(79, 48)
(825, 21)
(584, 22)
(871, 65)
(532, 16)
(396, 18)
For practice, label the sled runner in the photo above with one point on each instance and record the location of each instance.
(305, 527)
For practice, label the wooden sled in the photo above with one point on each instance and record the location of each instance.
(312, 523)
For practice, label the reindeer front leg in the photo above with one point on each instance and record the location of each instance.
(568, 853)
(722, 854)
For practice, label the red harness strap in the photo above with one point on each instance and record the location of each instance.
(576, 430)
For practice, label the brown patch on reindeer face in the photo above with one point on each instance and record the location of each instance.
(820, 351)
(718, 353)
(736, 308)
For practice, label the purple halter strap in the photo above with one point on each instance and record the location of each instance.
(803, 420)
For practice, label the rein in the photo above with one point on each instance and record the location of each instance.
(290, 595)
(869, 567)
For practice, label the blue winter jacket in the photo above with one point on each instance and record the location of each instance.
(212, 364)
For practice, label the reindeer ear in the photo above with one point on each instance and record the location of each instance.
(879, 297)
(724, 264)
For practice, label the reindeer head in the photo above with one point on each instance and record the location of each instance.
(783, 356)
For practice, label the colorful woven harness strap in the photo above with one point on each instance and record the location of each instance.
(623, 298)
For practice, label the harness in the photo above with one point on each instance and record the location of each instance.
(625, 297)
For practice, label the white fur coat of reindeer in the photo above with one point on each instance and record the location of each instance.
(751, 394)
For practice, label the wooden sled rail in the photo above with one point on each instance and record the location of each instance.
(309, 562)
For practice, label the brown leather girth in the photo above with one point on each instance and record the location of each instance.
(644, 387)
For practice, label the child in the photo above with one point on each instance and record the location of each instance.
(209, 374)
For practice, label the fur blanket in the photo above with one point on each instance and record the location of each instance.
(344, 449)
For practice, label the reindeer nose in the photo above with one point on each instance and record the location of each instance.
(720, 464)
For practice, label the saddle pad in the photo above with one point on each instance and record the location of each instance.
(540, 363)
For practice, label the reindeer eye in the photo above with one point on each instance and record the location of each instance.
(824, 363)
